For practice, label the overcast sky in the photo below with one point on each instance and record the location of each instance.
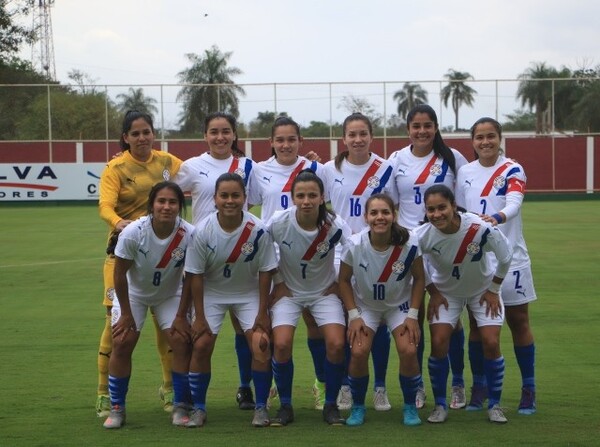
(134, 42)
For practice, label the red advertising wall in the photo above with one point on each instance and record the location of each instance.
(558, 164)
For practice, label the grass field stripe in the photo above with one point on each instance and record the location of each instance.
(37, 264)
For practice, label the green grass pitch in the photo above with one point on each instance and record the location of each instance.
(51, 318)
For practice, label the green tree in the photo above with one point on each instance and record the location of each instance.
(519, 120)
(411, 95)
(74, 117)
(262, 124)
(458, 92)
(12, 34)
(200, 96)
(354, 104)
(135, 99)
(586, 111)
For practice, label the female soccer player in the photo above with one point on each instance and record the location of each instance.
(462, 274)
(229, 264)
(426, 162)
(124, 187)
(307, 235)
(350, 179)
(494, 186)
(149, 259)
(375, 285)
(274, 178)
(198, 176)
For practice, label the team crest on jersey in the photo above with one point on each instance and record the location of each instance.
(240, 172)
(247, 248)
(166, 175)
(373, 182)
(323, 247)
(398, 267)
(110, 293)
(473, 248)
(499, 182)
(178, 254)
(435, 170)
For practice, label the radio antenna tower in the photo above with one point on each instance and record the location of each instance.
(42, 51)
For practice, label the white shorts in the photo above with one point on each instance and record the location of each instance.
(517, 287)
(214, 312)
(393, 317)
(456, 306)
(164, 312)
(324, 309)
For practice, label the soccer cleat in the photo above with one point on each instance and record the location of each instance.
(331, 414)
(284, 416)
(261, 417)
(273, 394)
(496, 414)
(179, 415)
(438, 415)
(458, 399)
(245, 398)
(420, 398)
(166, 395)
(357, 416)
(197, 418)
(102, 406)
(478, 397)
(116, 418)
(527, 403)
(411, 416)
(318, 390)
(380, 399)
(344, 399)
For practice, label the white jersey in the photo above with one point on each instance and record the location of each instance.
(198, 176)
(157, 270)
(349, 188)
(272, 187)
(306, 258)
(231, 262)
(458, 264)
(484, 190)
(413, 175)
(381, 279)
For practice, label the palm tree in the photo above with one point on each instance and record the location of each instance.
(411, 95)
(135, 99)
(459, 92)
(204, 97)
(535, 90)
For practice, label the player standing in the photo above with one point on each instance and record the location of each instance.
(494, 186)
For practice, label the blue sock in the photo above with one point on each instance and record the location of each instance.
(380, 351)
(526, 360)
(347, 354)
(316, 346)
(181, 388)
(117, 387)
(494, 371)
(421, 352)
(333, 380)
(476, 361)
(262, 385)
(199, 386)
(456, 354)
(438, 374)
(359, 386)
(283, 373)
(409, 386)
(244, 356)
